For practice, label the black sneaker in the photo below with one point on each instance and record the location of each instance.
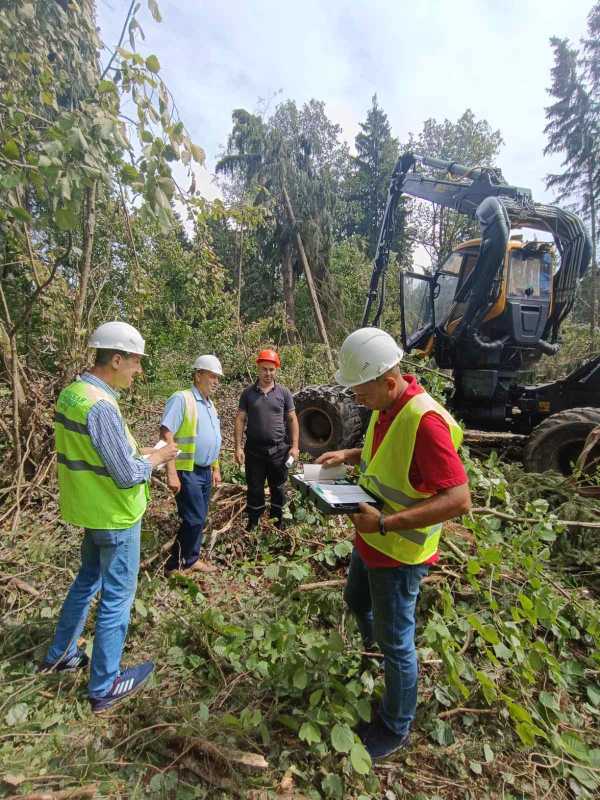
(79, 660)
(380, 741)
(125, 685)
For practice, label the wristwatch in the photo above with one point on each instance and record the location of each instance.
(382, 529)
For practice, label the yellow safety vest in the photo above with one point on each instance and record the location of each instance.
(386, 476)
(88, 495)
(186, 435)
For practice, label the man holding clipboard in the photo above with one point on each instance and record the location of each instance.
(409, 462)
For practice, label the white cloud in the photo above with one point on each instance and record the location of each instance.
(433, 58)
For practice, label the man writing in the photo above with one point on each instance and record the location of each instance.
(103, 487)
(266, 410)
(190, 419)
(408, 461)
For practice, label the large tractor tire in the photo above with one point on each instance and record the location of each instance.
(556, 443)
(329, 419)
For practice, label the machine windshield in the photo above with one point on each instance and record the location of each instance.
(530, 274)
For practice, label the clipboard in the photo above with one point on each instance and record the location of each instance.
(323, 495)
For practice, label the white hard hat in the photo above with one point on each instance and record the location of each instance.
(365, 355)
(117, 336)
(210, 363)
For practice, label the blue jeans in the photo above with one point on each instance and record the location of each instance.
(110, 562)
(192, 504)
(384, 600)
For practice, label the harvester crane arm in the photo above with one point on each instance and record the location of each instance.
(483, 194)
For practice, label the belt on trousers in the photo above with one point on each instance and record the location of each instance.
(266, 450)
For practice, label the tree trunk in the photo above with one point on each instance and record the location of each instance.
(594, 266)
(309, 279)
(287, 275)
(89, 228)
(239, 279)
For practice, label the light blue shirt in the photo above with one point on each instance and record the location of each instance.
(208, 431)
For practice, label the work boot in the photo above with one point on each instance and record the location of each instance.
(379, 740)
(201, 566)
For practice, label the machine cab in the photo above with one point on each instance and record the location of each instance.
(518, 303)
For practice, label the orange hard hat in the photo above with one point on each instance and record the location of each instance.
(269, 355)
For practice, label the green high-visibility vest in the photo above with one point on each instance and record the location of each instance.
(185, 437)
(386, 475)
(89, 496)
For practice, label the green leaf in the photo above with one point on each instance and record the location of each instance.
(442, 733)
(153, 64)
(141, 608)
(11, 150)
(502, 651)
(333, 786)
(48, 99)
(107, 87)
(364, 709)
(593, 694)
(526, 603)
(549, 701)
(65, 218)
(488, 753)
(491, 555)
(473, 566)
(300, 678)
(518, 713)
(343, 549)
(360, 759)
(586, 778)
(342, 738)
(21, 214)
(525, 733)
(309, 733)
(198, 153)
(475, 767)
(77, 139)
(129, 173)
(202, 713)
(574, 745)
(17, 714)
(154, 10)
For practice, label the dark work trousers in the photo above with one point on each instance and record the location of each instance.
(192, 505)
(260, 466)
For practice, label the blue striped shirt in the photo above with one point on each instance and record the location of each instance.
(107, 432)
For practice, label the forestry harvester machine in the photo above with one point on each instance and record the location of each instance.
(487, 313)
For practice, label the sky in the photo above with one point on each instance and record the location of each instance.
(423, 59)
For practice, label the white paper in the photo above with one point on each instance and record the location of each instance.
(343, 493)
(318, 472)
(158, 446)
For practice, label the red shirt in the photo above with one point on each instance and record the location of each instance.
(435, 464)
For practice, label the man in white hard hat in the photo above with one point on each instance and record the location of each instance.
(190, 420)
(409, 461)
(103, 487)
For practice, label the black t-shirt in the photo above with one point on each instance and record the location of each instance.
(266, 415)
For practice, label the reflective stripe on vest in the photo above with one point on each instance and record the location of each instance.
(89, 497)
(186, 435)
(386, 476)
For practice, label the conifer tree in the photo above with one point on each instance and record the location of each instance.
(377, 152)
(573, 130)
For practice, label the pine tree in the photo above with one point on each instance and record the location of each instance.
(377, 153)
(573, 129)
